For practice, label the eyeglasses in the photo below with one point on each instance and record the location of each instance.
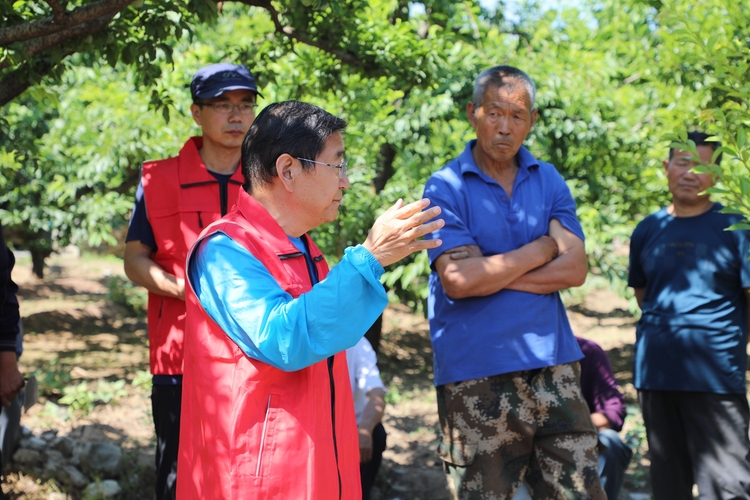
(226, 107)
(341, 166)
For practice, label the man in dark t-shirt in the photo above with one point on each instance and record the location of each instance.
(176, 199)
(690, 276)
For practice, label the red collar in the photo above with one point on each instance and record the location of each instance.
(192, 170)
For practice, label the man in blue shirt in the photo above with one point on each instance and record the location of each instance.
(506, 360)
(690, 276)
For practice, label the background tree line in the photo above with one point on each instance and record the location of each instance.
(90, 89)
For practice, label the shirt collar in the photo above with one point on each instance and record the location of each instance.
(193, 171)
(467, 164)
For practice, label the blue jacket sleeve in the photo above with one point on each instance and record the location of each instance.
(9, 314)
(244, 299)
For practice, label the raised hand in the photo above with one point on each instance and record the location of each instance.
(395, 233)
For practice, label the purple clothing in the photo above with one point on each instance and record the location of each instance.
(599, 385)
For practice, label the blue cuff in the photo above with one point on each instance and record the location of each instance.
(361, 257)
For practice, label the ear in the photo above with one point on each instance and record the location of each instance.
(287, 170)
(195, 110)
(666, 165)
(471, 113)
(534, 115)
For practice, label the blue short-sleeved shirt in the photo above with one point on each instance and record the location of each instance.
(507, 331)
(693, 330)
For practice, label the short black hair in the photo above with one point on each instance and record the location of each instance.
(700, 139)
(293, 127)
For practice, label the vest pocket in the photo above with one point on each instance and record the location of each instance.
(254, 457)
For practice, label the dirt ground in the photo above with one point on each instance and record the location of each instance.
(75, 334)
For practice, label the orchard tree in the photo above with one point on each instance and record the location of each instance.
(56, 195)
(712, 41)
(71, 146)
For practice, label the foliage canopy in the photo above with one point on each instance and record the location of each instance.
(614, 77)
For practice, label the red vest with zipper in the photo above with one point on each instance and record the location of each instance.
(252, 431)
(182, 198)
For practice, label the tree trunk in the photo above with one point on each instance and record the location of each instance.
(37, 262)
(385, 167)
(373, 334)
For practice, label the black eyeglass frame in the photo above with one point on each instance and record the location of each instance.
(224, 104)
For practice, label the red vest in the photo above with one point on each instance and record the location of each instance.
(249, 430)
(182, 197)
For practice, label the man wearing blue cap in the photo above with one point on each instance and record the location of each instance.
(176, 199)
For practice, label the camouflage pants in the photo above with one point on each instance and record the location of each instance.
(530, 425)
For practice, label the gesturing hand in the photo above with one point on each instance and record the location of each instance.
(395, 233)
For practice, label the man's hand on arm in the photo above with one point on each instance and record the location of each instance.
(567, 270)
(142, 270)
(600, 421)
(11, 380)
(465, 272)
(395, 233)
(371, 416)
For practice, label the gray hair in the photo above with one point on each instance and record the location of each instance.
(502, 76)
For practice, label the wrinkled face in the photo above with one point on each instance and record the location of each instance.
(225, 130)
(502, 122)
(319, 190)
(684, 184)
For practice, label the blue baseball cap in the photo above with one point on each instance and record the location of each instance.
(215, 79)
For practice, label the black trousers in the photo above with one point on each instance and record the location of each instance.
(697, 438)
(369, 471)
(166, 401)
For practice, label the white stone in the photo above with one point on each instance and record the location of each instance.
(102, 460)
(64, 445)
(27, 457)
(49, 435)
(70, 475)
(34, 443)
(640, 496)
(107, 488)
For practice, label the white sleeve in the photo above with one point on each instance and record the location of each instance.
(363, 373)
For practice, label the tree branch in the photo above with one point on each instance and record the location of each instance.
(50, 25)
(290, 32)
(39, 45)
(57, 11)
(12, 85)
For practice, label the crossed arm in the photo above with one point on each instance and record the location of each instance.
(545, 265)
